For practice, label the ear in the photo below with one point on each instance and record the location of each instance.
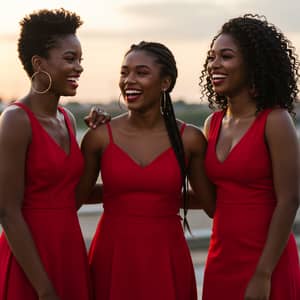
(166, 83)
(36, 62)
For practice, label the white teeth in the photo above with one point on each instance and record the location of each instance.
(73, 78)
(218, 76)
(133, 92)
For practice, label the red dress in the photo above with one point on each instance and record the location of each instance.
(139, 251)
(245, 204)
(50, 212)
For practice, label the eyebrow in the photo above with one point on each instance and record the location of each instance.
(222, 50)
(137, 67)
(228, 49)
(69, 52)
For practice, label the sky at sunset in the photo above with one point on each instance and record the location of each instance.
(111, 26)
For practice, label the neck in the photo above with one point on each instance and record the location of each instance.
(146, 120)
(241, 107)
(45, 105)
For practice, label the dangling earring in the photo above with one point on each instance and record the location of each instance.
(163, 101)
(34, 75)
(119, 103)
(252, 91)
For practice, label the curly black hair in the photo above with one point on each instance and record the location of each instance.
(40, 32)
(164, 57)
(271, 63)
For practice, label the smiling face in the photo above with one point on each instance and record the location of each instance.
(64, 65)
(140, 82)
(226, 67)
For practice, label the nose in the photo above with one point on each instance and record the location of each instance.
(130, 78)
(79, 67)
(214, 63)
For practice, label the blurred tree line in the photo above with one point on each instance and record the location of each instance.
(190, 113)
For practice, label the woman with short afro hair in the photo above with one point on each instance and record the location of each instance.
(42, 251)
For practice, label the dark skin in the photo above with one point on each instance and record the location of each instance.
(142, 134)
(62, 64)
(279, 131)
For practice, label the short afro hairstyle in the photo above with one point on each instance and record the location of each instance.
(40, 32)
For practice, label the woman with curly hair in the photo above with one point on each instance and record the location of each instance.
(253, 158)
(42, 252)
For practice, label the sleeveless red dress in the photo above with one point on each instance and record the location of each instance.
(244, 207)
(139, 251)
(50, 212)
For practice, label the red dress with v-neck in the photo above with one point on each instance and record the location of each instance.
(139, 250)
(50, 212)
(244, 207)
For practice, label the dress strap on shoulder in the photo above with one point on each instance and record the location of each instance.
(215, 123)
(23, 106)
(182, 128)
(111, 140)
(67, 119)
(261, 119)
(30, 114)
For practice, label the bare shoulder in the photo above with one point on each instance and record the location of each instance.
(193, 138)
(98, 138)
(95, 139)
(278, 116)
(280, 130)
(206, 125)
(14, 122)
(15, 131)
(278, 121)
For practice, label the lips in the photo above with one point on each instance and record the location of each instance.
(218, 79)
(73, 81)
(132, 94)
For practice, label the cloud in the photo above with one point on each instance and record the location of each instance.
(284, 15)
(180, 20)
(189, 20)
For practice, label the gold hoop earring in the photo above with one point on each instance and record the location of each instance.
(49, 86)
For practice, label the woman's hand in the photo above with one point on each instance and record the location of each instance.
(96, 117)
(259, 287)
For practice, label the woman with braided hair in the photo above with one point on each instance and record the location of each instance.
(253, 158)
(139, 249)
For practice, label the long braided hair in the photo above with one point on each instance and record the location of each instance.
(164, 57)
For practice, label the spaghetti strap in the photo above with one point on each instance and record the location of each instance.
(111, 140)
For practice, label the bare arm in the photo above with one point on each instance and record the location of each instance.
(285, 154)
(92, 146)
(284, 150)
(15, 134)
(96, 193)
(203, 192)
